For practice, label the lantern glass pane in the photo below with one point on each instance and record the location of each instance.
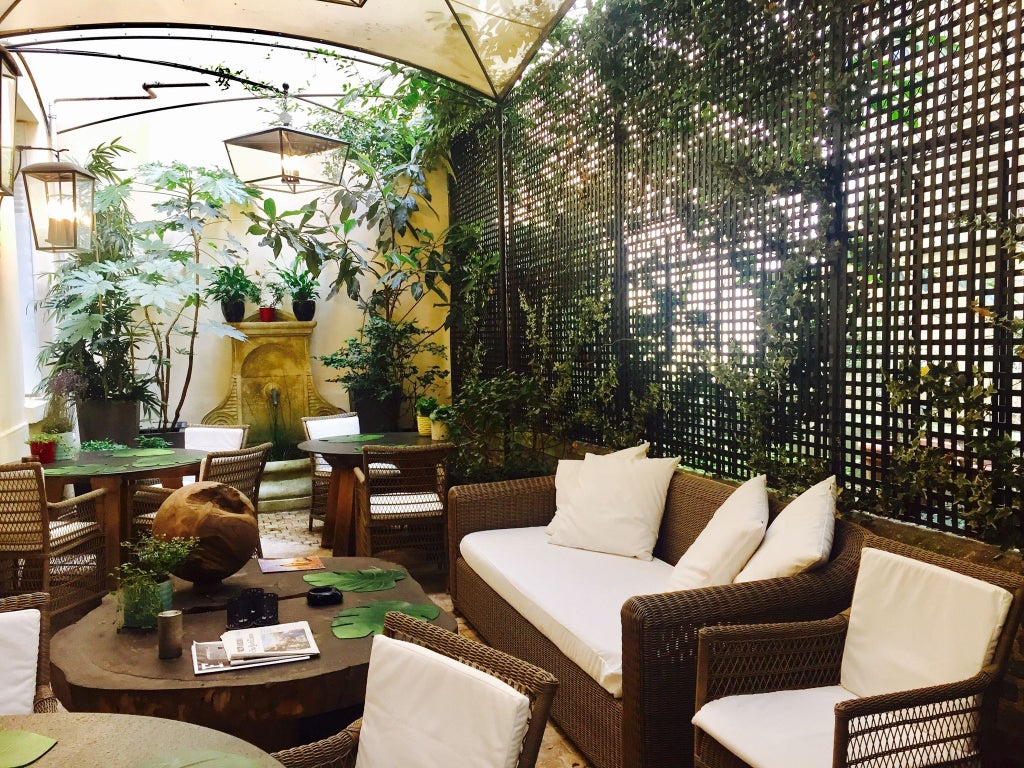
(84, 187)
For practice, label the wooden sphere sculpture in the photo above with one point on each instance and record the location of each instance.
(223, 520)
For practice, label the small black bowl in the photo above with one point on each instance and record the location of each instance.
(323, 596)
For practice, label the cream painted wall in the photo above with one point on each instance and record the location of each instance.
(195, 136)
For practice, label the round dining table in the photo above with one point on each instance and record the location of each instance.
(114, 471)
(344, 453)
(100, 740)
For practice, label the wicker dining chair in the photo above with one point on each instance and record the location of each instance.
(44, 700)
(404, 510)
(316, 427)
(537, 685)
(909, 676)
(241, 469)
(56, 548)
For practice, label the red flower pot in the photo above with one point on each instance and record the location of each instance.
(267, 314)
(43, 451)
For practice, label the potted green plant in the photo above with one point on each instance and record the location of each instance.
(439, 421)
(424, 407)
(231, 287)
(144, 586)
(61, 389)
(43, 446)
(379, 370)
(271, 295)
(303, 288)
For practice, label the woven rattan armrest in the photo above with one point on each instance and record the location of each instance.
(360, 477)
(44, 700)
(337, 751)
(78, 509)
(944, 716)
(755, 658)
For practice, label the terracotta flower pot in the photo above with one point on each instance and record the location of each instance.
(267, 314)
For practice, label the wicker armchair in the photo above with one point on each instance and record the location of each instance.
(316, 427)
(339, 751)
(56, 548)
(241, 469)
(938, 724)
(45, 701)
(405, 508)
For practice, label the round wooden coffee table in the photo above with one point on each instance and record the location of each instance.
(93, 740)
(97, 669)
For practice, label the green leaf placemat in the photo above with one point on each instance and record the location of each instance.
(207, 758)
(143, 452)
(160, 461)
(80, 469)
(370, 580)
(363, 620)
(18, 748)
(351, 438)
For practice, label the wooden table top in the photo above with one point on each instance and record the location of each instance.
(95, 740)
(96, 668)
(125, 464)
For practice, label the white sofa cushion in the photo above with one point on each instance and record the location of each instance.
(935, 625)
(19, 649)
(782, 729)
(427, 710)
(572, 596)
(213, 438)
(727, 542)
(799, 539)
(616, 507)
(567, 474)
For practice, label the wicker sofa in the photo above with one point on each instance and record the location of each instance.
(649, 725)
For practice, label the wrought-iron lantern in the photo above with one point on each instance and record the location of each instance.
(9, 74)
(285, 159)
(60, 204)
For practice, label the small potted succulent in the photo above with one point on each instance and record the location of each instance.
(144, 585)
(439, 421)
(271, 295)
(424, 407)
(231, 287)
(303, 288)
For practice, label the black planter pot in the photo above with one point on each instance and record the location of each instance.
(233, 311)
(116, 420)
(376, 415)
(304, 310)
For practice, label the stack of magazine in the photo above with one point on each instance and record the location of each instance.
(255, 647)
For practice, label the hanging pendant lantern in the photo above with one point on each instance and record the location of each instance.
(285, 159)
(60, 204)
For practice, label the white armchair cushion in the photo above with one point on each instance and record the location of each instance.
(342, 424)
(727, 542)
(19, 649)
(213, 438)
(799, 539)
(781, 729)
(616, 507)
(427, 710)
(914, 624)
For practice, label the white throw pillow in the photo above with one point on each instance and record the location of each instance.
(727, 542)
(617, 506)
(567, 474)
(799, 539)
(914, 624)
(427, 710)
(19, 649)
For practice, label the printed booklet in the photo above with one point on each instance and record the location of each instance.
(210, 657)
(277, 640)
(281, 564)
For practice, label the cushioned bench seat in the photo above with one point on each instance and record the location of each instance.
(573, 596)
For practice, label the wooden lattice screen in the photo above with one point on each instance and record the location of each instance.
(898, 125)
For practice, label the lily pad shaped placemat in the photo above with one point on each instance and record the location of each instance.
(370, 580)
(205, 758)
(18, 748)
(363, 620)
(143, 452)
(81, 469)
(351, 438)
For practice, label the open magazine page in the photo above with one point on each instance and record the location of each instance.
(282, 564)
(210, 657)
(293, 639)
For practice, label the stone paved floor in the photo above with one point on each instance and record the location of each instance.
(286, 534)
